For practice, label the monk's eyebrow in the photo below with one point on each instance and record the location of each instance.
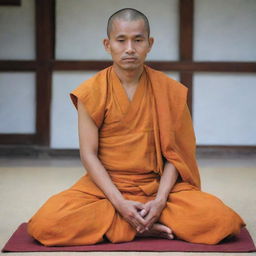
(120, 36)
(140, 35)
(136, 36)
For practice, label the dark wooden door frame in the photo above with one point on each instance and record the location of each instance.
(45, 48)
(45, 64)
(10, 2)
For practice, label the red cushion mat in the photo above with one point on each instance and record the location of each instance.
(20, 241)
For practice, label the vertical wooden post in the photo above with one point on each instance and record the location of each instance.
(186, 44)
(45, 33)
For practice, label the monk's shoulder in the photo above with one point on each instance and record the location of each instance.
(93, 85)
(92, 92)
(175, 91)
(167, 81)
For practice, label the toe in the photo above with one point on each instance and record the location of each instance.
(162, 228)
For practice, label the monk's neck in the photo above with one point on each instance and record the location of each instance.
(128, 78)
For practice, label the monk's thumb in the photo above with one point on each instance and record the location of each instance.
(143, 213)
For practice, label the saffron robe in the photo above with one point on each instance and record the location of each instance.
(135, 139)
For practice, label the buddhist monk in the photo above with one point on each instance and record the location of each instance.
(137, 144)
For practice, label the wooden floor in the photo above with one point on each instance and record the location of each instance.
(26, 183)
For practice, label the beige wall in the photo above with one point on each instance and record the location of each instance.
(223, 103)
(81, 27)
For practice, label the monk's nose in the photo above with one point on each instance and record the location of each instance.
(130, 48)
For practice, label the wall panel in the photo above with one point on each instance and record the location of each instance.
(17, 102)
(224, 109)
(17, 31)
(64, 132)
(225, 30)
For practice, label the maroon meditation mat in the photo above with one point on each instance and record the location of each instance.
(20, 241)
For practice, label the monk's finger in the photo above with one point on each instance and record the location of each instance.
(139, 228)
(140, 219)
(150, 225)
(141, 222)
(145, 210)
(150, 221)
(139, 206)
(135, 219)
(136, 225)
(132, 221)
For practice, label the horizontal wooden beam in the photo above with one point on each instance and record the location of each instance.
(202, 151)
(245, 147)
(221, 150)
(249, 67)
(37, 151)
(10, 2)
(80, 65)
(17, 139)
(18, 65)
(162, 65)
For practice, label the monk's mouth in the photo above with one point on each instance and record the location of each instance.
(129, 59)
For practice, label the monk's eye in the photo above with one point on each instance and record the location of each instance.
(120, 40)
(138, 40)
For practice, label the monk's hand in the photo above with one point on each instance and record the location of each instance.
(151, 212)
(130, 210)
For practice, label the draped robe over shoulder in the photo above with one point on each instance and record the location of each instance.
(136, 138)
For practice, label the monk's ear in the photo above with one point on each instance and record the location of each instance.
(151, 42)
(106, 44)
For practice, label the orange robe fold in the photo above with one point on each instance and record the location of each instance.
(135, 139)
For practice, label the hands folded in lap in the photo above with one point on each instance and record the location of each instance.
(141, 216)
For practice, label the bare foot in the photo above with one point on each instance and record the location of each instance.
(158, 230)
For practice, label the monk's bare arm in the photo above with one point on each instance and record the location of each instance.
(153, 209)
(88, 140)
(168, 179)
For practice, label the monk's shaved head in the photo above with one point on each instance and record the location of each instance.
(127, 14)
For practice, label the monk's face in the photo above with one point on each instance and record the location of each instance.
(128, 43)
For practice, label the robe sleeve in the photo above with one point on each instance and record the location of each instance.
(183, 154)
(177, 138)
(92, 93)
